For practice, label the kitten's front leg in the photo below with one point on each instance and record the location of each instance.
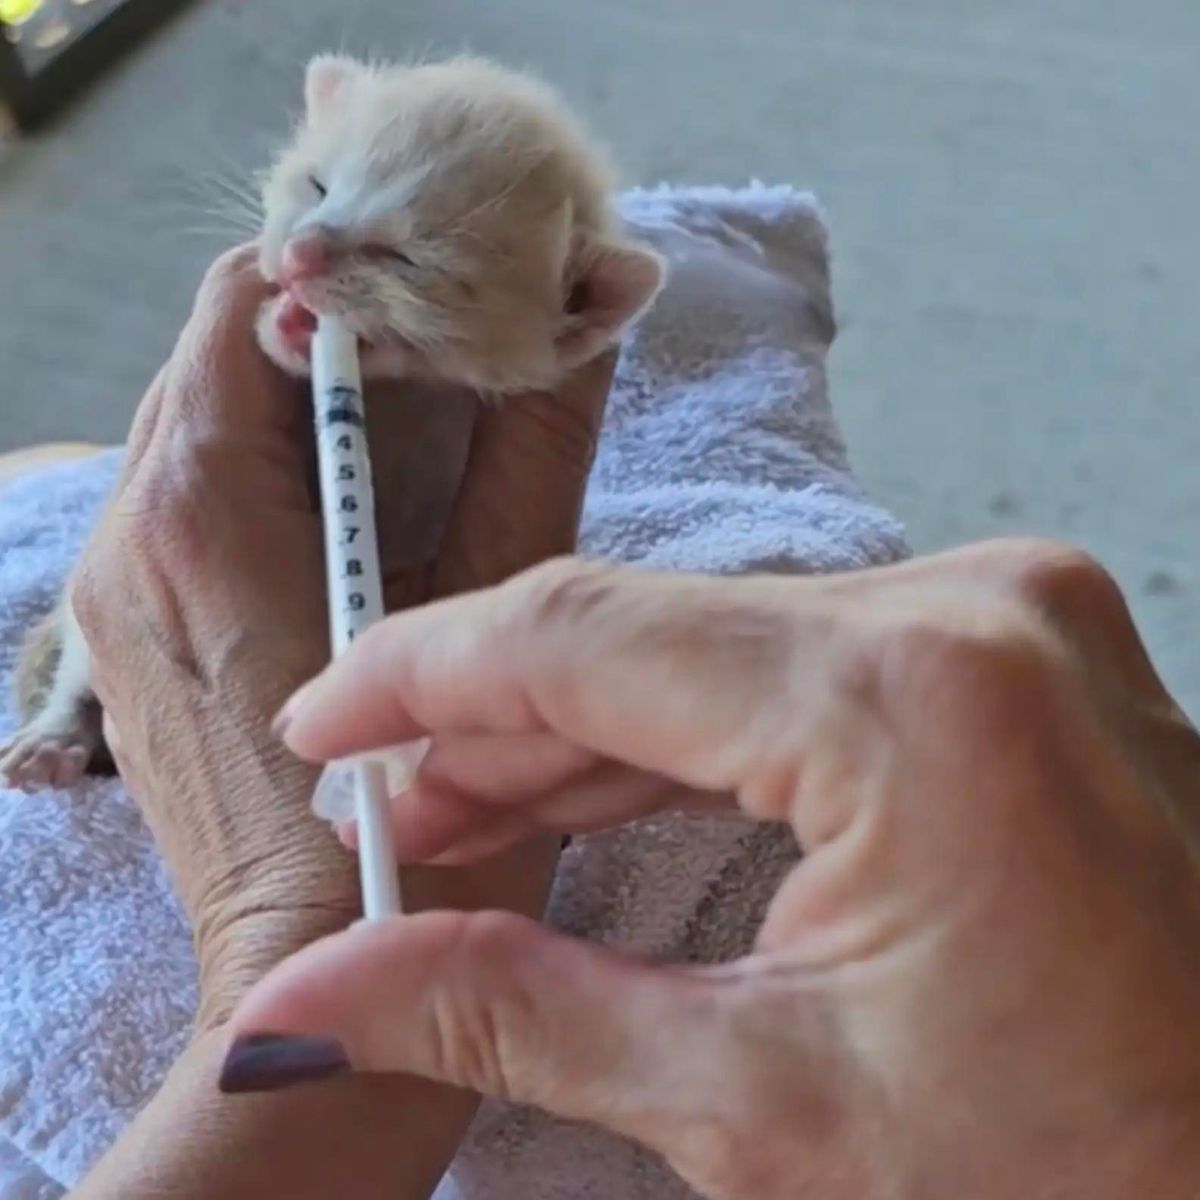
(62, 729)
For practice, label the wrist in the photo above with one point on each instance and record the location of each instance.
(236, 945)
(353, 1136)
(282, 882)
(259, 876)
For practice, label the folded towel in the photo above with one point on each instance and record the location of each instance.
(719, 453)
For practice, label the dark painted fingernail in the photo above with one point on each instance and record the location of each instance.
(265, 1062)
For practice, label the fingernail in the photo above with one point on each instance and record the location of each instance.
(286, 714)
(265, 1062)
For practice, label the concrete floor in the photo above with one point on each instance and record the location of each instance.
(1014, 191)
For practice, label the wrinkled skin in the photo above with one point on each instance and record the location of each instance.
(202, 597)
(982, 979)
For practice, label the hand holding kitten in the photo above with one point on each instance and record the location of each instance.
(201, 593)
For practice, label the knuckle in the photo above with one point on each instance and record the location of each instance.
(997, 655)
(232, 286)
(1062, 579)
(482, 1026)
(228, 271)
(1082, 606)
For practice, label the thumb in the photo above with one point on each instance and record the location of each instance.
(497, 1004)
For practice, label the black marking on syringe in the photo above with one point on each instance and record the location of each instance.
(342, 416)
(344, 405)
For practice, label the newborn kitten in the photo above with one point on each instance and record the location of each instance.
(459, 221)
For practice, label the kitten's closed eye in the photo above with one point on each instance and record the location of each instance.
(318, 186)
(379, 250)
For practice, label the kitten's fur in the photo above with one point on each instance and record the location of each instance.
(518, 269)
(464, 228)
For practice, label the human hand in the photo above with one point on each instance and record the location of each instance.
(981, 980)
(202, 598)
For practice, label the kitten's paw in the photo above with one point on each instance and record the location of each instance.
(45, 755)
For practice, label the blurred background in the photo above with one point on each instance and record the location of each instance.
(1013, 189)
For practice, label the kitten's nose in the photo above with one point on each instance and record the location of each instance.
(307, 255)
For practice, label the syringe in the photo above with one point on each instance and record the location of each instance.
(355, 586)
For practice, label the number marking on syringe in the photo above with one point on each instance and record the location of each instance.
(357, 578)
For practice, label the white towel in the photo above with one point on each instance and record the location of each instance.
(719, 453)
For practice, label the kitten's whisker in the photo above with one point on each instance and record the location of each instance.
(501, 256)
(214, 231)
(504, 193)
(230, 191)
(241, 222)
(231, 171)
(236, 191)
(231, 219)
(219, 214)
(215, 198)
(352, 29)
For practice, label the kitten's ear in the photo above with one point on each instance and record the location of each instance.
(326, 80)
(611, 285)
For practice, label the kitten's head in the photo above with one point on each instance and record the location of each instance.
(454, 218)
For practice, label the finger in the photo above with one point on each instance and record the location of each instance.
(612, 795)
(437, 822)
(226, 306)
(716, 683)
(497, 769)
(522, 494)
(425, 822)
(448, 830)
(464, 786)
(557, 782)
(222, 419)
(496, 1004)
(217, 339)
(219, 374)
(702, 680)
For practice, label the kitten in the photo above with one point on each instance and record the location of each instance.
(457, 219)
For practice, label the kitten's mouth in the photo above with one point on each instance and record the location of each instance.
(297, 323)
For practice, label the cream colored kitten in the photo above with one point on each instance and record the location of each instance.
(461, 223)
(457, 218)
